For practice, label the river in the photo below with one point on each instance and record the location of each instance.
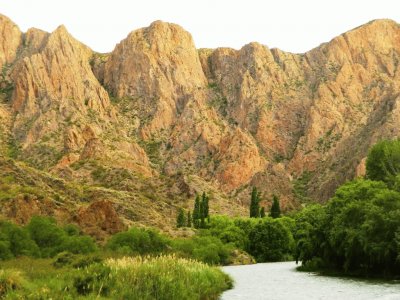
(276, 281)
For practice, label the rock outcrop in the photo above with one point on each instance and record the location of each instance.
(158, 67)
(10, 40)
(99, 219)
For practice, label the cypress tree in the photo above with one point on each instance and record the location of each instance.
(204, 210)
(196, 212)
(189, 219)
(255, 203)
(180, 219)
(202, 219)
(262, 212)
(205, 200)
(275, 208)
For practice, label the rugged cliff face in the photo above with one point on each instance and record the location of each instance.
(157, 120)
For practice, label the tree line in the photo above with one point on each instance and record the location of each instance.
(259, 212)
(201, 210)
(199, 216)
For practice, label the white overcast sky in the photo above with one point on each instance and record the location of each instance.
(295, 26)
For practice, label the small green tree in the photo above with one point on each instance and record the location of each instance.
(180, 219)
(383, 161)
(262, 212)
(189, 219)
(196, 212)
(275, 208)
(255, 203)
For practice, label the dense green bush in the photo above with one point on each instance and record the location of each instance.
(42, 237)
(363, 220)
(47, 235)
(357, 232)
(309, 234)
(79, 244)
(246, 224)
(5, 252)
(53, 239)
(204, 248)
(227, 231)
(271, 240)
(383, 161)
(15, 241)
(266, 239)
(138, 241)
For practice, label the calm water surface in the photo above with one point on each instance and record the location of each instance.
(276, 281)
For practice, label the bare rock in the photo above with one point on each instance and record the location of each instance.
(99, 219)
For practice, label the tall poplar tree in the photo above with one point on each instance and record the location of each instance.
(205, 200)
(189, 219)
(196, 212)
(255, 203)
(180, 219)
(262, 212)
(275, 208)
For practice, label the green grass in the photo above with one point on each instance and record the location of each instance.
(167, 277)
(164, 277)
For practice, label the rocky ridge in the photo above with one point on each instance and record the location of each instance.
(156, 120)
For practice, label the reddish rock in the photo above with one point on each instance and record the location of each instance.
(99, 219)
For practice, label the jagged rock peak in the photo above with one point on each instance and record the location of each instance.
(162, 50)
(61, 38)
(35, 39)
(160, 65)
(10, 40)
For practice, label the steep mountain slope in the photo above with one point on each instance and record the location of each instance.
(156, 120)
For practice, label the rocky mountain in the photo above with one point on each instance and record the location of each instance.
(138, 131)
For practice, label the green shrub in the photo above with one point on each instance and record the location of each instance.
(79, 245)
(72, 230)
(53, 239)
(64, 259)
(47, 235)
(87, 260)
(95, 279)
(10, 280)
(15, 241)
(138, 241)
(246, 224)
(270, 240)
(207, 249)
(383, 161)
(227, 231)
(5, 252)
